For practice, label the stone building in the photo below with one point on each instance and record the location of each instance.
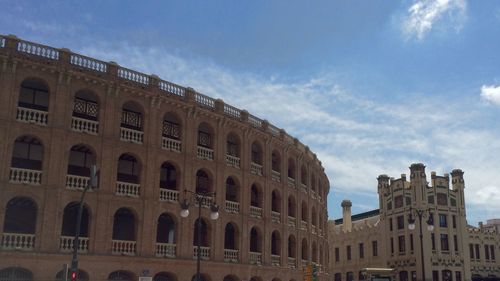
(154, 143)
(389, 237)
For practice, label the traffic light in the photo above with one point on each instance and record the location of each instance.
(73, 276)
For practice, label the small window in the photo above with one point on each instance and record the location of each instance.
(401, 244)
(443, 221)
(401, 222)
(430, 199)
(398, 201)
(348, 251)
(375, 248)
(361, 250)
(337, 254)
(442, 199)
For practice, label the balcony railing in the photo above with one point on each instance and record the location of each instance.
(233, 161)
(320, 232)
(275, 260)
(304, 263)
(66, 244)
(127, 189)
(255, 169)
(166, 250)
(303, 225)
(313, 229)
(25, 176)
(84, 125)
(255, 212)
(291, 182)
(303, 188)
(18, 241)
(30, 115)
(130, 135)
(292, 221)
(313, 194)
(76, 182)
(169, 195)
(171, 144)
(206, 201)
(291, 262)
(255, 258)
(275, 217)
(123, 247)
(275, 176)
(204, 252)
(232, 207)
(205, 153)
(231, 255)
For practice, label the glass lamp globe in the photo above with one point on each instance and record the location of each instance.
(411, 226)
(214, 215)
(184, 213)
(430, 227)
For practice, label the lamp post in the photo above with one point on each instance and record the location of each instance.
(421, 213)
(76, 241)
(199, 198)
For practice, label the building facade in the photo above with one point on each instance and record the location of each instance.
(154, 143)
(420, 231)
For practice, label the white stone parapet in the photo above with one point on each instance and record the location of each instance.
(232, 207)
(275, 260)
(18, 241)
(171, 144)
(303, 188)
(169, 195)
(291, 182)
(25, 176)
(30, 115)
(66, 244)
(275, 176)
(166, 250)
(123, 247)
(255, 169)
(275, 217)
(292, 262)
(130, 135)
(76, 182)
(255, 212)
(233, 161)
(231, 255)
(127, 189)
(255, 258)
(204, 252)
(84, 125)
(303, 225)
(292, 221)
(205, 153)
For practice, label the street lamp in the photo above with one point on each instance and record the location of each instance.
(199, 197)
(421, 213)
(76, 241)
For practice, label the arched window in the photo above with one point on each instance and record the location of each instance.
(276, 161)
(313, 182)
(255, 196)
(19, 224)
(205, 135)
(292, 247)
(256, 153)
(232, 190)
(230, 237)
(255, 240)
(165, 276)
(132, 116)
(313, 216)
(168, 176)
(33, 103)
(121, 275)
(15, 274)
(129, 169)
(171, 127)
(292, 207)
(233, 145)
(86, 106)
(69, 220)
(230, 278)
(305, 254)
(303, 175)
(204, 239)
(165, 232)
(337, 277)
(291, 168)
(80, 160)
(276, 201)
(203, 277)
(276, 243)
(27, 153)
(124, 225)
(203, 182)
(304, 212)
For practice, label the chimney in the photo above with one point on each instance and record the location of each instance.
(346, 215)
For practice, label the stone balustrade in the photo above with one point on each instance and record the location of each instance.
(18, 241)
(130, 135)
(303, 188)
(25, 176)
(166, 250)
(303, 225)
(231, 255)
(292, 221)
(76, 182)
(276, 176)
(291, 182)
(171, 144)
(291, 262)
(29, 115)
(127, 189)
(169, 195)
(275, 260)
(84, 125)
(232, 207)
(275, 217)
(123, 247)
(66, 244)
(255, 258)
(256, 169)
(233, 161)
(206, 201)
(304, 263)
(313, 194)
(255, 212)
(204, 252)
(313, 229)
(205, 153)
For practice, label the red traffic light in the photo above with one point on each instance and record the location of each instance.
(73, 276)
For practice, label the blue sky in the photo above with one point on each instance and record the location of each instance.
(370, 86)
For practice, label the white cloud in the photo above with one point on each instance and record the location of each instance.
(491, 94)
(424, 14)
